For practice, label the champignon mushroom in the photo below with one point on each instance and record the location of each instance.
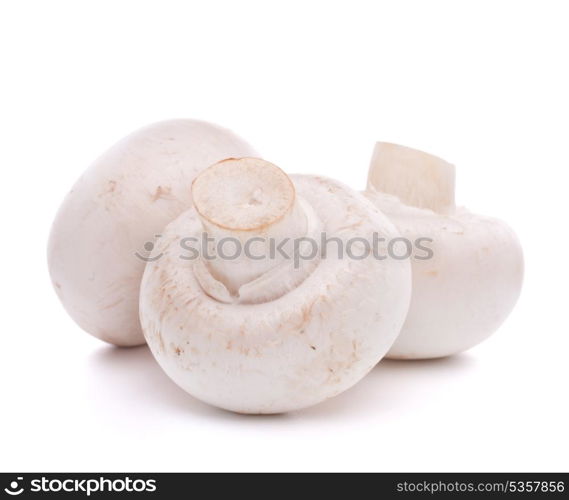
(257, 334)
(105, 229)
(470, 277)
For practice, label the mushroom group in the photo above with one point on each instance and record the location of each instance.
(260, 292)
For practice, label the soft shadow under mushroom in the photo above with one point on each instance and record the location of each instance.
(397, 386)
(131, 376)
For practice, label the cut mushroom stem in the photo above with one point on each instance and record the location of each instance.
(416, 178)
(248, 207)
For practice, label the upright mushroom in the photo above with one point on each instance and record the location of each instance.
(105, 229)
(469, 281)
(260, 333)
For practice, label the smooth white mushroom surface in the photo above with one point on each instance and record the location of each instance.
(471, 282)
(253, 336)
(105, 229)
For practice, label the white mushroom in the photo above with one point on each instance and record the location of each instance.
(105, 228)
(271, 335)
(468, 280)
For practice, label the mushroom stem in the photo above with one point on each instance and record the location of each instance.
(416, 178)
(248, 208)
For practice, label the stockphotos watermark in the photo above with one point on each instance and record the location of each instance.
(83, 486)
(295, 249)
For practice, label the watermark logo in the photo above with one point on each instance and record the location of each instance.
(80, 486)
(296, 249)
(14, 488)
(148, 248)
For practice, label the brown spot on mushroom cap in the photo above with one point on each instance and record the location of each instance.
(160, 341)
(307, 311)
(352, 226)
(164, 192)
(113, 304)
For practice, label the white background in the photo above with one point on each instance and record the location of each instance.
(311, 85)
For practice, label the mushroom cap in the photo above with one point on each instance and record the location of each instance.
(317, 338)
(466, 290)
(106, 225)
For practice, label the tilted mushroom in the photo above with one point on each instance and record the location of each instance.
(106, 226)
(256, 334)
(469, 280)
